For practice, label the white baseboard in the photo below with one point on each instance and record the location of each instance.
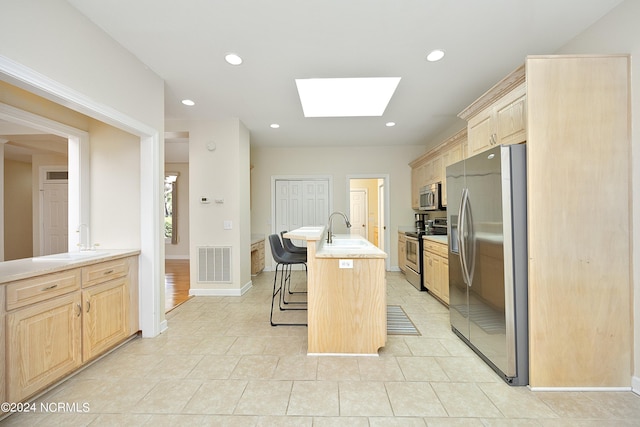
(635, 385)
(176, 256)
(231, 292)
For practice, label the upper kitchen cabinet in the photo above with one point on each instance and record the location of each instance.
(499, 116)
(431, 166)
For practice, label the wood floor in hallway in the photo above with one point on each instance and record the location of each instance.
(176, 282)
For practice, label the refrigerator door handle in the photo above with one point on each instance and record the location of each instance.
(462, 241)
(470, 241)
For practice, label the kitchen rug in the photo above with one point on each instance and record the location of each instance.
(398, 323)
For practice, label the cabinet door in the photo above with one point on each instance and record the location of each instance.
(105, 318)
(429, 272)
(511, 122)
(402, 255)
(43, 345)
(444, 280)
(480, 133)
(415, 189)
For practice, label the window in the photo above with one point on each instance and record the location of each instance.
(171, 208)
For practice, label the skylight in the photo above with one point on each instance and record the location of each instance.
(346, 97)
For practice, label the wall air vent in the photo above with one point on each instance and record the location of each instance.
(214, 264)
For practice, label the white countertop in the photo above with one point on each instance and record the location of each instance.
(30, 267)
(256, 238)
(306, 233)
(348, 246)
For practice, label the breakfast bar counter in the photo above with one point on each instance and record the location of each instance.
(347, 298)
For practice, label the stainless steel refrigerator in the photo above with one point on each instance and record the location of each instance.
(487, 216)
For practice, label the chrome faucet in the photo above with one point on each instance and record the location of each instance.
(330, 229)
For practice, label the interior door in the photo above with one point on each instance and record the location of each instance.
(55, 218)
(300, 203)
(359, 213)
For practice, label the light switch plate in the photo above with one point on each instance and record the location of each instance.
(227, 225)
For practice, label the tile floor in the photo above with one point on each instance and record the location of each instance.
(222, 364)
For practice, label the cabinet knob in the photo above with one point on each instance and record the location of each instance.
(79, 310)
(88, 305)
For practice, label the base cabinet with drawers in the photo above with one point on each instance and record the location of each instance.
(57, 322)
(436, 269)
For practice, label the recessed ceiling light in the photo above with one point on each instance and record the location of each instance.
(188, 102)
(435, 55)
(390, 124)
(274, 126)
(233, 59)
(346, 97)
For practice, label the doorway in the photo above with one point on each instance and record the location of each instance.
(54, 217)
(369, 209)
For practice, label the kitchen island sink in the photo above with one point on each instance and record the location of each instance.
(346, 299)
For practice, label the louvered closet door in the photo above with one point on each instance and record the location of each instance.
(301, 203)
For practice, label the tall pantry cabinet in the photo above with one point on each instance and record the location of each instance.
(579, 186)
(573, 113)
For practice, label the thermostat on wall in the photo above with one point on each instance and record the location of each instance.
(204, 200)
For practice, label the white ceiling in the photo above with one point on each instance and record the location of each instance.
(184, 42)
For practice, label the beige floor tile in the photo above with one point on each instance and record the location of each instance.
(214, 345)
(421, 346)
(265, 398)
(379, 369)
(216, 397)
(214, 367)
(255, 367)
(396, 422)
(319, 398)
(364, 398)
(287, 421)
(340, 422)
(420, 368)
(575, 405)
(336, 368)
(415, 399)
(296, 367)
(516, 402)
(221, 363)
(465, 400)
(467, 369)
(168, 397)
(454, 422)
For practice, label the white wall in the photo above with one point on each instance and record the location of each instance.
(181, 249)
(221, 172)
(337, 162)
(50, 49)
(619, 32)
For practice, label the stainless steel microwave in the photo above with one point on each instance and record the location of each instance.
(430, 197)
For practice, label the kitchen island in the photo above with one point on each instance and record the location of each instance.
(346, 299)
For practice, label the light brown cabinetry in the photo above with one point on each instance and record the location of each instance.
(436, 269)
(56, 322)
(431, 166)
(43, 344)
(499, 117)
(105, 299)
(402, 254)
(579, 285)
(257, 257)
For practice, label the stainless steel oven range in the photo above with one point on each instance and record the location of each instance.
(413, 252)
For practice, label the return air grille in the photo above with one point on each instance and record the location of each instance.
(214, 264)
